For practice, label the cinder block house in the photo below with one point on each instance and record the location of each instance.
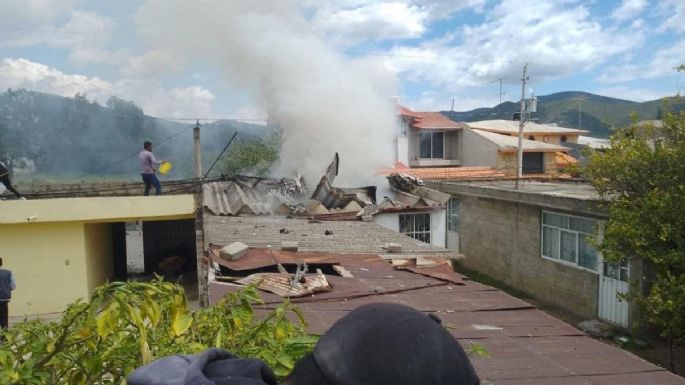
(537, 239)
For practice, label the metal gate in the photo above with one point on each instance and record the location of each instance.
(612, 281)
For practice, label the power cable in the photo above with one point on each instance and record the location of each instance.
(220, 155)
(164, 140)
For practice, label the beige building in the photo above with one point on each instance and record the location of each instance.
(61, 249)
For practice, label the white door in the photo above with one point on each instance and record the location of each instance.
(612, 281)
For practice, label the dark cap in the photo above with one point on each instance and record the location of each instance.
(384, 343)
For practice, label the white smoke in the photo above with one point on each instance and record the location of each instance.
(323, 101)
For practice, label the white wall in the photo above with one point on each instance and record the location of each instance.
(476, 150)
(389, 221)
(403, 150)
(438, 227)
(438, 224)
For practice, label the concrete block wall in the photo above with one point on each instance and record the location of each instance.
(89, 189)
(502, 240)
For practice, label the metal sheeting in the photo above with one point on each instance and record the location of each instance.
(526, 345)
(240, 198)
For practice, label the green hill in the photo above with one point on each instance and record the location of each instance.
(598, 114)
(75, 138)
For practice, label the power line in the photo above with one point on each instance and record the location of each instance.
(168, 138)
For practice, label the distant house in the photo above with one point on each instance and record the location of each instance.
(546, 133)
(430, 140)
(537, 239)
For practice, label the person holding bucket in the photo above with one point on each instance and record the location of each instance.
(148, 164)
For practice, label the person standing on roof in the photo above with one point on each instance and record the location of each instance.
(148, 164)
(7, 284)
(5, 179)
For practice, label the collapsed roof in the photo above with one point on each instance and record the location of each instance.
(242, 195)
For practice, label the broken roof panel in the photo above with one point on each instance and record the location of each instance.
(250, 196)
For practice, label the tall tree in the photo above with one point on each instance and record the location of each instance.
(642, 177)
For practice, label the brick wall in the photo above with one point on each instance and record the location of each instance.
(68, 190)
(502, 239)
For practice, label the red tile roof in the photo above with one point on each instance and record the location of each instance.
(564, 160)
(430, 173)
(429, 120)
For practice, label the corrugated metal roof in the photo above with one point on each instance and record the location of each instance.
(510, 143)
(512, 126)
(250, 196)
(526, 345)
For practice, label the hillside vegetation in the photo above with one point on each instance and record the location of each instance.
(61, 138)
(600, 115)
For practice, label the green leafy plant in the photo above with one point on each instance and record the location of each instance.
(642, 180)
(129, 324)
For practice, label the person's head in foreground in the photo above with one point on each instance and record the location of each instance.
(376, 344)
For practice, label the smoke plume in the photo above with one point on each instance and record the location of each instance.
(323, 101)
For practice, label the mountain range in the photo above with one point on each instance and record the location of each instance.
(600, 115)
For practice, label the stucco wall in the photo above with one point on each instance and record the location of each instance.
(502, 240)
(99, 254)
(476, 150)
(48, 262)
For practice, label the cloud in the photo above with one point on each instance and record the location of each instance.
(674, 12)
(154, 98)
(58, 24)
(628, 10)
(29, 22)
(356, 21)
(555, 38)
(638, 94)
(661, 64)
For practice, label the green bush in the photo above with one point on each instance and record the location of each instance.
(129, 324)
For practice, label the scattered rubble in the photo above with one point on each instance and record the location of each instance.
(596, 328)
(233, 251)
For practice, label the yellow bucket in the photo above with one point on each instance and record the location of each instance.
(165, 167)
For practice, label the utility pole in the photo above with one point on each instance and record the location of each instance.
(580, 101)
(522, 120)
(197, 148)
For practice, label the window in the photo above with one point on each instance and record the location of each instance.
(404, 127)
(417, 226)
(566, 238)
(533, 162)
(453, 213)
(431, 145)
(531, 137)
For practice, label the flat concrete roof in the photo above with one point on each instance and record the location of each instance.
(100, 209)
(512, 126)
(572, 196)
